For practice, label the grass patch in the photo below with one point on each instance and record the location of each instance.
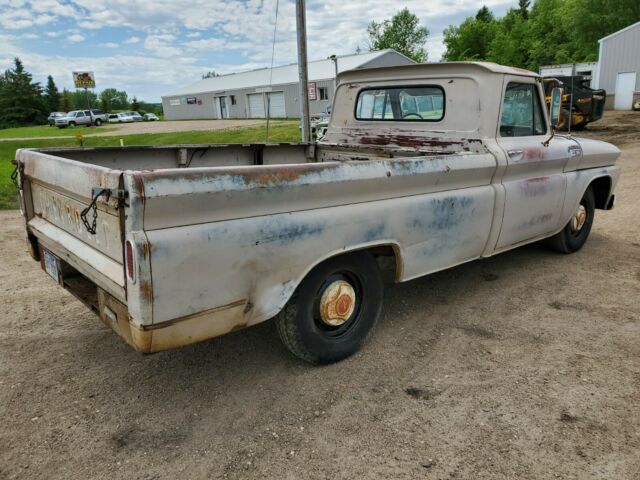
(278, 132)
(46, 131)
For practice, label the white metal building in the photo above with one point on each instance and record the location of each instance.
(586, 69)
(618, 69)
(250, 94)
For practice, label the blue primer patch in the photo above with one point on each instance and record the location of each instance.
(287, 233)
(373, 233)
(449, 212)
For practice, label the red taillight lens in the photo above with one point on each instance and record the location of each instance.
(131, 273)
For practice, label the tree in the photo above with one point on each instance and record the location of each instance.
(135, 105)
(112, 99)
(472, 38)
(66, 101)
(210, 74)
(21, 100)
(402, 33)
(523, 8)
(83, 99)
(51, 95)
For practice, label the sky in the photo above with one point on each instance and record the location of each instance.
(150, 48)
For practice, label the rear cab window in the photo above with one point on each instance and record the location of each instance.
(410, 103)
(522, 114)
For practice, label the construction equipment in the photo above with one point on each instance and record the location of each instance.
(581, 104)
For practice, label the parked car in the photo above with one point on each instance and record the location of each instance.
(120, 118)
(172, 245)
(53, 115)
(135, 115)
(150, 117)
(82, 117)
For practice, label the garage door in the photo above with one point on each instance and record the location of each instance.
(256, 105)
(276, 105)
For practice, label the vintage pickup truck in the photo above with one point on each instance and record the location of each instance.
(432, 165)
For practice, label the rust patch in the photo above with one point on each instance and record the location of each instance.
(139, 186)
(147, 290)
(146, 249)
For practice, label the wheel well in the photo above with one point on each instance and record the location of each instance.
(601, 191)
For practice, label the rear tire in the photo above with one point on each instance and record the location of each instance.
(575, 233)
(333, 310)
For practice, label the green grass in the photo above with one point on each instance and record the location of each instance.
(46, 131)
(278, 132)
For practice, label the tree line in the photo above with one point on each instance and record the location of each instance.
(25, 102)
(548, 32)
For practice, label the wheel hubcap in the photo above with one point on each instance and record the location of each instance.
(579, 219)
(337, 303)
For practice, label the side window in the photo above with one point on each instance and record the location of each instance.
(521, 112)
(421, 104)
(79, 114)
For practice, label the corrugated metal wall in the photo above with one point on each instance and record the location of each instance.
(618, 54)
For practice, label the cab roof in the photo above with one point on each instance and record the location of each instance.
(441, 68)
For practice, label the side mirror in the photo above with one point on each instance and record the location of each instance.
(555, 107)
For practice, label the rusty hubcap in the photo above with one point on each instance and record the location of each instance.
(579, 219)
(337, 303)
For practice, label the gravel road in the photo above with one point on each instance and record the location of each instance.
(521, 366)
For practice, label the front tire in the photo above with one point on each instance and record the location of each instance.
(575, 233)
(333, 310)
(98, 122)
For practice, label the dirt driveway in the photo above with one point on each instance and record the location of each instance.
(521, 366)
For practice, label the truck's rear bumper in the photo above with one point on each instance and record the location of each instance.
(172, 334)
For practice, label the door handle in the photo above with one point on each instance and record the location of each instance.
(516, 154)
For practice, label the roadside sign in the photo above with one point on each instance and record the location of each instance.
(313, 91)
(84, 79)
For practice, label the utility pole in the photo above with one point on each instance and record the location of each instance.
(334, 59)
(301, 22)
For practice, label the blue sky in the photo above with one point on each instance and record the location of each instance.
(150, 48)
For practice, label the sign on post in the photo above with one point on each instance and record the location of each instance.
(84, 79)
(313, 91)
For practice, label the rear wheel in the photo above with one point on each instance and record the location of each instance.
(98, 122)
(333, 309)
(574, 235)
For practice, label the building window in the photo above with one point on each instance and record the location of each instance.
(233, 99)
(323, 93)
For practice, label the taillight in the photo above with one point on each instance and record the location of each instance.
(131, 272)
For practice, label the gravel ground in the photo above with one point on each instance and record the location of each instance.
(525, 365)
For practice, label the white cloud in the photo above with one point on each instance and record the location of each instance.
(162, 45)
(76, 37)
(110, 45)
(132, 40)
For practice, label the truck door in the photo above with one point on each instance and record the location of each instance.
(533, 181)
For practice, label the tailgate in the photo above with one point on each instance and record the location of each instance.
(55, 192)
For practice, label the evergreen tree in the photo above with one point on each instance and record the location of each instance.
(51, 95)
(66, 101)
(20, 98)
(135, 105)
(523, 8)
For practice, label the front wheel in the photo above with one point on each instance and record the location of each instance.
(333, 309)
(98, 122)
(574, 235)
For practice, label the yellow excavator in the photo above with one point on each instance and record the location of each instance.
(581, 104)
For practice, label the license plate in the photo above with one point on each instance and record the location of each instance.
(51, 265)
